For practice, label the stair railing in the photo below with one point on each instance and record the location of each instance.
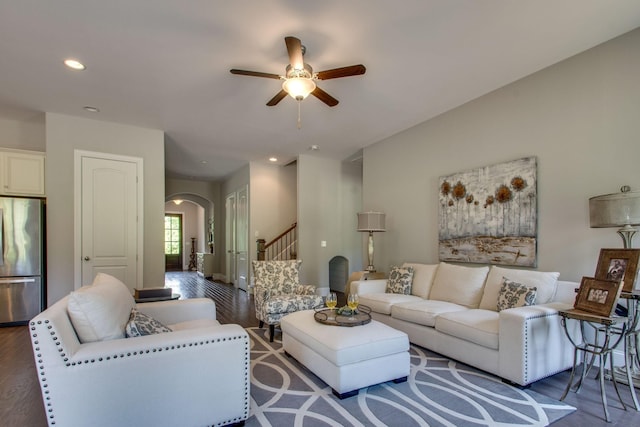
(283, 247)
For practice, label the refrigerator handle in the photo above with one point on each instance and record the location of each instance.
(24, 280)
(1, 237)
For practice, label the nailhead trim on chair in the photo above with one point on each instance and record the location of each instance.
(43, 378)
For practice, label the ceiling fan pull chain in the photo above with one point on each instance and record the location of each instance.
(299, 120)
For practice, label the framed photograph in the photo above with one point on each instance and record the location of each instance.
(619, 264)
(598, 296)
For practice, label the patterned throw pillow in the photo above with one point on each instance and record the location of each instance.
(513, 294)
(400, 279)
(140, 324)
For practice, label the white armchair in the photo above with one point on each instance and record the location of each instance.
(196, 375)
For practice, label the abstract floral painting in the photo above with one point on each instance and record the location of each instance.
(489, 215)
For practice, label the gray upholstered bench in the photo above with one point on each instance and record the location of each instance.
(347, 358)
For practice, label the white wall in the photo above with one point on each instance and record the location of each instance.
(579, 117)
(64, 134)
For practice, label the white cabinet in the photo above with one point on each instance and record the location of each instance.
(21, 173)
(204, 264)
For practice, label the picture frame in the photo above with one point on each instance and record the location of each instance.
(619, 264)
(598, 296)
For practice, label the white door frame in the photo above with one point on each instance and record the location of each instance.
(242, 238)
(230, 238)
(77, 220)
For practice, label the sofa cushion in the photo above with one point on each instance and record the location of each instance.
(544, 282)
(101, 310)
(423, 312)
(140, 324)
(476, 326)
(423, 275)
(382, 302)
(513, 294)
(459, 284)
(193, 324)
(399, 281)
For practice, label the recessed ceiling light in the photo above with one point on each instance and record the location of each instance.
(273, 159)
(91, 109)
(74, 64)
(204, 162)
(314, 148)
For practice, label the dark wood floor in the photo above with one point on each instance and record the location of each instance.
(21, 402)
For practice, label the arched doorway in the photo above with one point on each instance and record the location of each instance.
(194, 215)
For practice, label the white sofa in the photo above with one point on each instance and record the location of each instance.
(90, 375)
(452, 310)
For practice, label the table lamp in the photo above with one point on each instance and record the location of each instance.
(371, 222)
(617, 210)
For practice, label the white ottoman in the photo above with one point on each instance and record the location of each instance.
(346, 358)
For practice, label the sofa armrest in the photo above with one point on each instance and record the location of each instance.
(177, 311)
(363, 287)
(532, 343)
(198, 374)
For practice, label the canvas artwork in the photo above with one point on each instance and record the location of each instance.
(489, 215)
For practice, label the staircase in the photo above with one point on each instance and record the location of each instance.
(283, 247)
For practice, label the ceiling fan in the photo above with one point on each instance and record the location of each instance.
(299, 79)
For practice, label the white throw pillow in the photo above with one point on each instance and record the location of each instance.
(423, 275)
(545, 283)
(459, 284)
(101, 310)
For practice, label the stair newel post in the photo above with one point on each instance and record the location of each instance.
(261, 244)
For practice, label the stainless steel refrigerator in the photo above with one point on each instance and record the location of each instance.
(22, 267)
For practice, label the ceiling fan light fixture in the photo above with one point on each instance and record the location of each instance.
(299, 87)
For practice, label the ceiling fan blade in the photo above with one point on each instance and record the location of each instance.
(279, 97)
(254, 74)
(353, 70)
(294, 48)
(324, 97)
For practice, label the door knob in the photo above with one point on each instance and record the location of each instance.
(87, 258)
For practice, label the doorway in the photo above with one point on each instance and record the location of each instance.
(173, 242)
(109, 233)
(237, 237)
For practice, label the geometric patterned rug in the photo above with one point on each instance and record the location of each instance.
(438, 392)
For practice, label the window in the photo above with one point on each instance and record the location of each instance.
(172, 234)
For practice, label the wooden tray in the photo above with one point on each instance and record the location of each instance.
(331, 317)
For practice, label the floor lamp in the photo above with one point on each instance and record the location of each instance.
(371, 222)
(621, 210)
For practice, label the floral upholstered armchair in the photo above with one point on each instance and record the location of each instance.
(278, 292)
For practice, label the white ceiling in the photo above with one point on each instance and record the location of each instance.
(164, 64)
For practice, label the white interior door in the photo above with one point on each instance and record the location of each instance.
(242, 238)
(109, 211)
(230, 237)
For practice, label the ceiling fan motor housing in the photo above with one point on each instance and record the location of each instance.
(306, 72)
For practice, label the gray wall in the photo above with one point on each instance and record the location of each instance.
(272, 202)
(25, 133)
(579, 117)
(64, 134)
(329, 196)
